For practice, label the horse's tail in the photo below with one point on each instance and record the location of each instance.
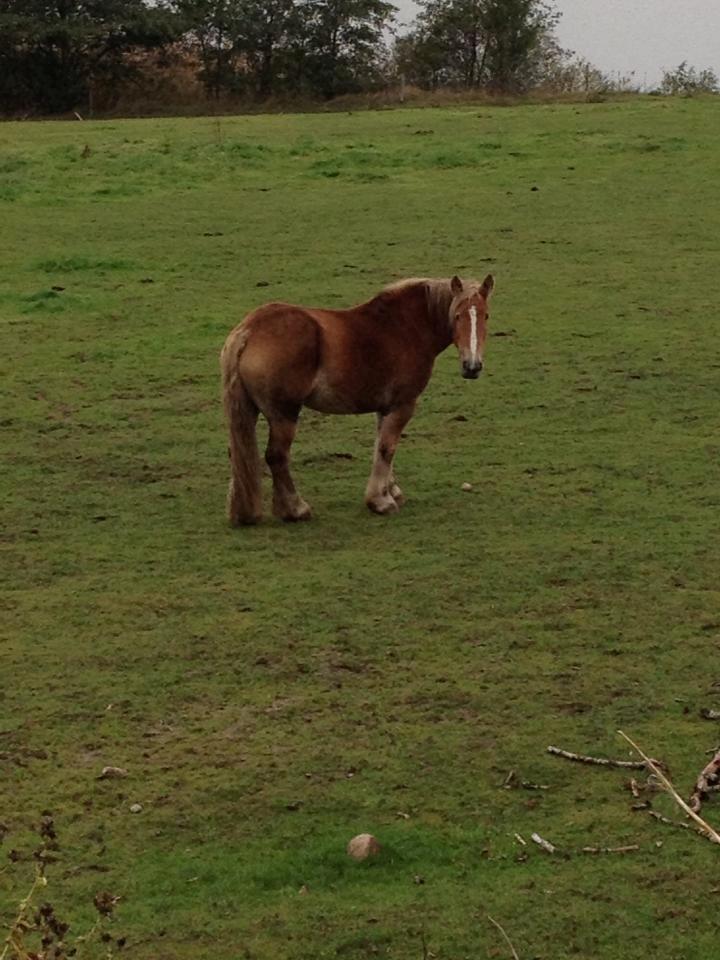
(244, 501)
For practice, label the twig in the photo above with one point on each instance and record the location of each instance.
(628, 849)
(706, 828)
(508, 941)
(708, 780)
(512, 780)
(543, 843)
(598, 761)
(676, 823)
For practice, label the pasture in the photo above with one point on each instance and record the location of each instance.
(274, 690)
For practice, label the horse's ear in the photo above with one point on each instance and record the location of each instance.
(488, 285)
(456, 286)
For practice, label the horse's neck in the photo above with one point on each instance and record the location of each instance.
(422, 305)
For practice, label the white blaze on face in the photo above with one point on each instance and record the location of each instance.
(473, 334)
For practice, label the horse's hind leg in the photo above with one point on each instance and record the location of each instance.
(287, 502)
(382, 494)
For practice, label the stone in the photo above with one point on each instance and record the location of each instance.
(362, 846)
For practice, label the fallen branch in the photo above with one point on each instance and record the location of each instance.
(508, 941)
(708, 780)
(628, 849)
(542, 843)
(599, 761)
(652, 764)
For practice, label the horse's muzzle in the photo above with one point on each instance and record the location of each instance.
(471, 371)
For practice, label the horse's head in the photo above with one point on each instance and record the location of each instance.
(469, 316)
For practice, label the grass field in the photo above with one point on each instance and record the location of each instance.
(273, 691)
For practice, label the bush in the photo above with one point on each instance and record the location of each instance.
(686, 81)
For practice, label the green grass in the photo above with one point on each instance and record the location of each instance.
(274, 691)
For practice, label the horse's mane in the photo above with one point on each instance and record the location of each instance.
(439, 295)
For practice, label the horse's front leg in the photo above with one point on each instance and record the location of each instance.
(287, 502)
(382, 494)
(393, 486)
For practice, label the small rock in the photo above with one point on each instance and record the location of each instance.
(466, 487)
(112, 773)
(362, 846)
(136, 808)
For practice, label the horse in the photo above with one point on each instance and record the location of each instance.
(373, 358)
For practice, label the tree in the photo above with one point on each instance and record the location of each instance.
(52, 51)
(514, 30)
(447, 45)
(213, 26)
(268, 32)
(472, 43)
(342, 44)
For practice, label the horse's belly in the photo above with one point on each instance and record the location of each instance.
(333, 397)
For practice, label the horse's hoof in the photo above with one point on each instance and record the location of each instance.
(397, 495)
(382, 505)
(301, 511)
(297, 517)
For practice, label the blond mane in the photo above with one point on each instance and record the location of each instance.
(439, 295)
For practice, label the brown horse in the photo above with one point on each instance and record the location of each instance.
(376, 357)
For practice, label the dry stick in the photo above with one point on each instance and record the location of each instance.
(508, 941)
(543, 843)
(706, 828)
(598, 761)
(676, 823)
(707, 781)
(628, 849)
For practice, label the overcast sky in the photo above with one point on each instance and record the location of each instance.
(646, 36)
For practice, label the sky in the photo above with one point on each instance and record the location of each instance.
(645, 36)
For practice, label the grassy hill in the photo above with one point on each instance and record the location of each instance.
(274, 691)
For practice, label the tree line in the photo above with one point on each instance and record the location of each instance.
(55, 53)
(59, 55)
